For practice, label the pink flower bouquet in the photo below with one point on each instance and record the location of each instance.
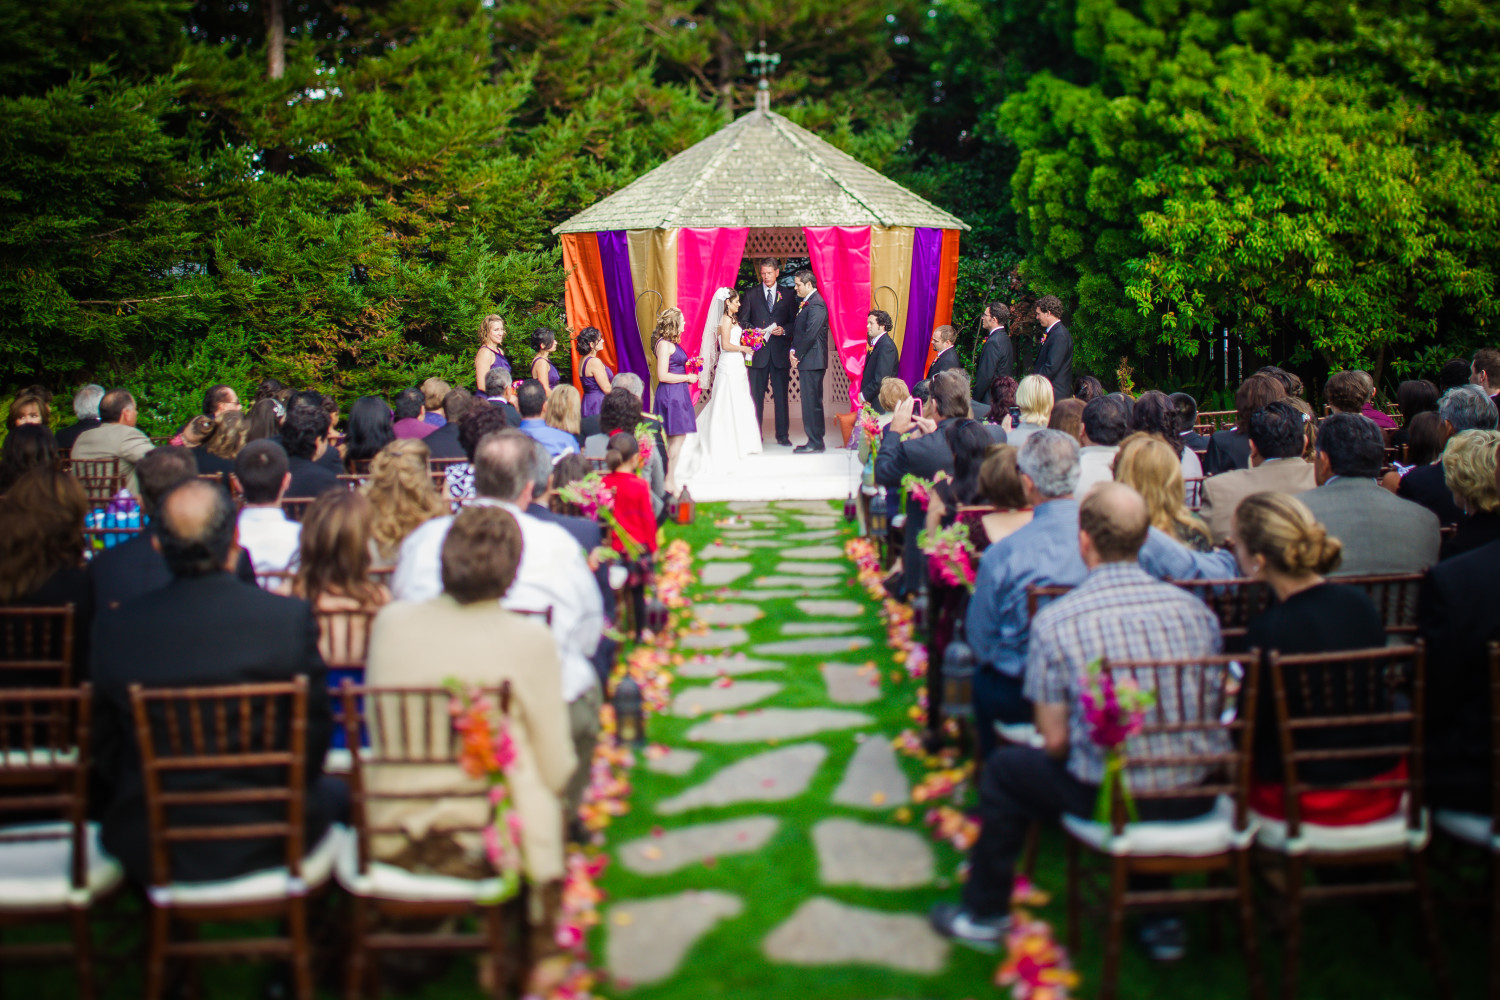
(487, 751)
(1114, 711)
(753, 339)
(694, 365)
(951, 558)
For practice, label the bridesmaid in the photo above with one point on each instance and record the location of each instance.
(674, 401)
(596, 374)
(544, 342)
(489, 355)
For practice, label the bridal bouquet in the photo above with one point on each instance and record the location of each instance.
(694, 365)
(753, 339)
(1114, 712)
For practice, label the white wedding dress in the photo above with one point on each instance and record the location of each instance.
(727, 431)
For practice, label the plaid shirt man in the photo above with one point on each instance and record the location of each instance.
(1120, 612)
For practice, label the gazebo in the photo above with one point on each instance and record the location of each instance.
(761, 186)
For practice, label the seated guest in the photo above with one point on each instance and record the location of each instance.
(1088, 389)
(1486, 373)
(481, 419)
(927, 454)
(1036, 408)
(196, 432)
(880, 361)
(1455, 372)
(1469, 471)
(1465, 408)
(434, 392)
(332, 458)
(1277, 539)
(1067, 416)
(218, 452)
(1000, 487)
(632, 506)
(116, 437)
(1426, 436)
(1002, 400)
(443, 442)
(462, 627)
(265, 420)
(333, 573)
(621, 411)
(27, 408)
(1118, 612)
(547, 506)
(1106, 421)
(892, 392)
(304, 438)
(86, 409)
(1413, 397)
(411, 409)
(1155, 413)
(945, 358)
(1230, 448)
(41, 560)
(265, 532)
(402, 498)
(205, 629)
(969, 443)
(27, 447)
(1146, 464)
(1187, 419)
(1276, 466)
(500, 391)
(369, 431)
(531, 400)
(1379, 533)
(268, 388)
(1354, 392)
(562, 411)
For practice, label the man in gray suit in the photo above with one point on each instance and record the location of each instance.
(810, 355)
(1276, 466)
(1381, 533)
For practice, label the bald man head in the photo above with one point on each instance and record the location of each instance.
(1112, 524)
(196, 528)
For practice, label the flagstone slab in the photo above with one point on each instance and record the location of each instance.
(676, 849)
(695, 701)
(727, 666)
(831, 609)
(813, 569)
(735, 534)
(812, 521)
(773, 776)
(874, 779)
(721, 573)
(649, 938)
(761, 543)
(776, 724)
(826, 932)
(807, 507)
(714, 638)
(727, 614)
(750, 506)
(722, 552)
(810, 536)
(851, 685)
(819, 628)
(873, 857)
(819, 646)
(817, 552)
(768, 594)
(674, 762)
(806, 582)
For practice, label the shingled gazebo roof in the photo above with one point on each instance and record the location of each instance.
(765, 172)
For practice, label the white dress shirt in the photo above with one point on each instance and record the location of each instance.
(271, 539)
(1096, 464)
(552, 574)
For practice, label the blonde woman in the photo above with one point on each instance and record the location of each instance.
(1034, 398)
(402, 497)
(674, 401)
(564, 411)
(489, 355)
(1469, 472)
(1148, 465)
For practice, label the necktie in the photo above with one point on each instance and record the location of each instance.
(770, 303)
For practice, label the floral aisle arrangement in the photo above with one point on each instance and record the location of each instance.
(1036, 967)
(1114, 712)
(596, 502)
(486, 751)
(951, 557)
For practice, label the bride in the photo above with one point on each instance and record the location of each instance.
(727, 429)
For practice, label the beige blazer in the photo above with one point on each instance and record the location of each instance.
(424, 644)
(1223, 493)
(120, 441)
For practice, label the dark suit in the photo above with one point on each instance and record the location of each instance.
(1054, 361)
(944, 362)
(309, 478)
(880, 364)
(443, 442)
(771, 364)
(1227, 451)
(1194, 441)
(996, 358)
(197, 632)
(810, 341)
(1425, 485)
(126, 571)
(68, 435)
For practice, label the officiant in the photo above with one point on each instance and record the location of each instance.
(765, 308)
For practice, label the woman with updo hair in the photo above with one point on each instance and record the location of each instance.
(544, 342)
(1277, 540)
(632, 506)
(594, 373)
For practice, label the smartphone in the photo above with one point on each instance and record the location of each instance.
(1015, 415)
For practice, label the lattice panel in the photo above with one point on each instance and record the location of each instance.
(790, 242)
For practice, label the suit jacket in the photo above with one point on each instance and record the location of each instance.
(1054, 361)
(810, 334)
(1223, 493)
(126, 571)
(309, 478)
(68, 436)
(996, 358)
(755, 315)
(1425, 485)
(1194, 441)
(200, 632)
(880, 364)
(443, 442)
(921, 456)
(1227, 450)
(115, 441)
(1381, 532)
(944, 362)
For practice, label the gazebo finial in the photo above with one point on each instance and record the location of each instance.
(761, 64)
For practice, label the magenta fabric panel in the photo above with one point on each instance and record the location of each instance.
(614, 254)
(926, 269)
(707, 260)
(840, 257)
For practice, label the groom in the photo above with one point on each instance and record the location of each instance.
(810, 355)
(765, 308)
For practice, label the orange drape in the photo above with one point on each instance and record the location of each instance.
(584, 297)
(947, 284)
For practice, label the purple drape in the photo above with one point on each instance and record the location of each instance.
(614, 254)
(921, 302)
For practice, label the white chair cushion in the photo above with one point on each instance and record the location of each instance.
(38, 874)
(1020, 733)
(383, 881)
(1471, 828)
(1383, 834)
(257, 887)
(338, 760)
(38, 757)
(1200, 837)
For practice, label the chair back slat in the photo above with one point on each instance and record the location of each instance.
(344, 637)
(36, 647)
(1216, 420)
(295, 508)
(1395, 596)
(101, 478)
(44, 766)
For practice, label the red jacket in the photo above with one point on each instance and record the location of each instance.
(633, 510)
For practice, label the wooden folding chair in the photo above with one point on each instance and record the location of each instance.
(1192, 729)
(344, 641)
(1395, 594)
(210, 748)
(36, 647)
(1233, 602)
(101, 478)
(51, 871)
(1361, 707)
(410, 731)
(295, 508)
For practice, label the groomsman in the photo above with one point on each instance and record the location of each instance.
(943, 338)
(765, 308)
(810, 355)
(996, 357)
(880, 363)
(1054, 360)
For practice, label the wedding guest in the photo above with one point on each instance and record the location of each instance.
(368, 432)
(969, 442)
(500, 391)
(443, 442)
(562, 412)
(1002, 402)
(1463, 408)
(27, 409)
(1000, 487)
(1106, 421)
(1413, 396)
(925, 455)
(86, 410)
(997, 359)
(531, 400)
(1276, 466)
(411, 409)
(334, 564)
(402, 498)
(261, 472)
(1351, 392)
(632, 506)
(489, 356)
(922, 391)
(1146, 464)
(195, 432)
(1067, 416)
(1469, 470)
(1054, 358)
(479, 421)
(1454, 373)
(1155, 413)
(434, 391)
(622, 412)
(893, 392)
(543, 371)
(946, 357)
(27, 447)
(595, 374)
(1230, 448)
(1425, 439)
(674, 401)
(1087, 389)
(116, 437)
(1034, 397)
(41, 560)
(265, 420)
(216, 453)
(881, 361)
(304, 437)
(1486, 372)
(268, 388)
(1187, 419)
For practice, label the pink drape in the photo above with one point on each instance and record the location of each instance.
(840, 257)
(707, 260)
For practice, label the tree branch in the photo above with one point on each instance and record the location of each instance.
(127, 302)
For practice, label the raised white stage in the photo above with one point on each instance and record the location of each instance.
(778, 474)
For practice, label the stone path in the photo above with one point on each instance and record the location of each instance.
(774, 776)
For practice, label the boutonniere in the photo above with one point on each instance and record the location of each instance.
(802, 304)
